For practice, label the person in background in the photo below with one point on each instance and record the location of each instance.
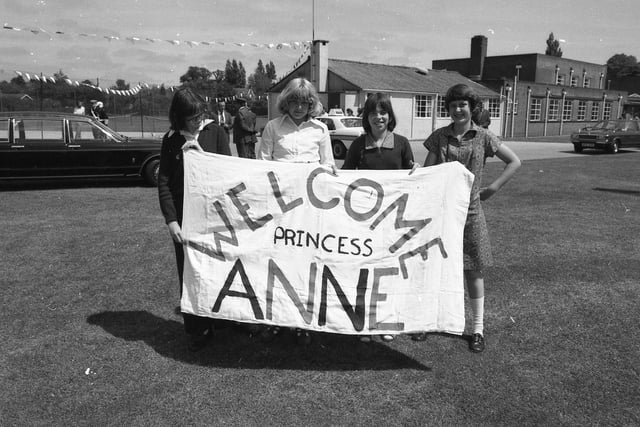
(79, 111)
(98, 112)
(244, 131)
(465, 142)
(186, 116)
(349, 112)
(379, 148)
(296, 137)
(222, 117)
(481, 117)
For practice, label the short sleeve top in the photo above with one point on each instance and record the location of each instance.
(471, 150)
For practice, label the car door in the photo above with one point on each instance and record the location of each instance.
(34, 147)
(94, 151)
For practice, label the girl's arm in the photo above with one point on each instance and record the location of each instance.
(265, 148)
(512, 162)
(325, 150)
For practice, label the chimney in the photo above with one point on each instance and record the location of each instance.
(478, 55)
(319, 64)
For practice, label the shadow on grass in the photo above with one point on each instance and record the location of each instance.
(69, 183)
(234, 347)
(617, 190)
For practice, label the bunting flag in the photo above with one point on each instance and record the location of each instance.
(136, 39)
(39, 77)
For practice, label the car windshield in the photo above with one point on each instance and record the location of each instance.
(605, 125)
(352, 122)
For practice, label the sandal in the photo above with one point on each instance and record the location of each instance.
(269, 334)
(422, 336)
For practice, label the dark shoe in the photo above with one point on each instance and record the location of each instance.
(303, 337)
(422, 336)
(476, 343)
(269, 334)
(198, 342)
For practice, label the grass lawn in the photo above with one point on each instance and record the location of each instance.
(89, 335)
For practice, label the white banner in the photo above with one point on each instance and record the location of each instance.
(364, 252)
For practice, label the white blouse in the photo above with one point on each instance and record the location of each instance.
(284, 141)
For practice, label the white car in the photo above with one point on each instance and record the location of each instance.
(343, 130)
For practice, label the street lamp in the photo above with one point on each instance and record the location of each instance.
(526, 117)
(564, 98)
(515, 97)
(507, 89)
(546, 112)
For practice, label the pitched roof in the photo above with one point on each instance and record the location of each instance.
(398, 78)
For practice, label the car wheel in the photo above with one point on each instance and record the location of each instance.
(151, 171)
(613, 147)
(577, 148)
(339, 150)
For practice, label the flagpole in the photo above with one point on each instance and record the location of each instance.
(313, 20)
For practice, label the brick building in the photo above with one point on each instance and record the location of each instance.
(551, 95)
(416, 94)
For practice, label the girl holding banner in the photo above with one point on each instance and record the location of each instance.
(465, 142)
(296, 137)
(379, 147)
(188, 130)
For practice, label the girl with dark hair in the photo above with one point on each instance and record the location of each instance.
(188, 130)
(379, 147)
(465, 142)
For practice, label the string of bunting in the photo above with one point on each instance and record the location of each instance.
(27, 77)
(136, 39)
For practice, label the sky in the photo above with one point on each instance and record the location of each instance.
(156, 41)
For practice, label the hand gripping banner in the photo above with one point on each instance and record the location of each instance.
(364, 252)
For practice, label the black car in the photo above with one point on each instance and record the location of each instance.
(42, 144)
(608, 135)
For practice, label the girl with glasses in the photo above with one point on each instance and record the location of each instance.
(296, 137)
(188, 129)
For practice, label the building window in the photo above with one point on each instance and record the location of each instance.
(560, 79)
(595, 111)
(424, 105)
(587, 82)
(607, 111)
(567, 110)
(554, 106)
(442, 110)
(582, 110)
(574, 81)
(535, 109)
(494, 108)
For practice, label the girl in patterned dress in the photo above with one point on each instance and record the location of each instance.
(465, 142)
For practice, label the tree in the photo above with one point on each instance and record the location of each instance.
(234, 74)
(621, 65)
(271, 71)
(195, 74)
(259, 81)
(553, 47)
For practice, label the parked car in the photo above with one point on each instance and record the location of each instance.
(343, 130)
(43, 144)
(608, 135)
